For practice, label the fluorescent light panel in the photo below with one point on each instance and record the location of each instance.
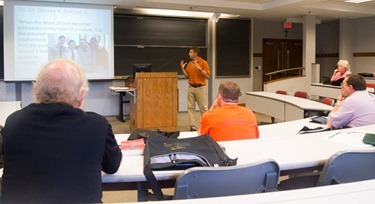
(181, 13)
(357, 1)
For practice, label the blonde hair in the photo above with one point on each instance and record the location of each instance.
(344, 63)
(60, 81)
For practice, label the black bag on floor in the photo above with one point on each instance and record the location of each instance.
(162, 153)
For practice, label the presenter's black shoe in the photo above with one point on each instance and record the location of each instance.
(193, 128)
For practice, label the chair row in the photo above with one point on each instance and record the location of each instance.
(263, 176)
(302, 94)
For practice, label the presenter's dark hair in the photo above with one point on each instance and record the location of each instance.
(357, 81)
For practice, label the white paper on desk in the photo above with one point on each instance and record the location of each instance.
(352, 138)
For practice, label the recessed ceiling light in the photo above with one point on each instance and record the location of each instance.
(357, 1)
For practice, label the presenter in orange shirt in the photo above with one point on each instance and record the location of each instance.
(226, 120)
(197, 71)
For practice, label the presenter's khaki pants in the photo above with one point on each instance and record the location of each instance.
(198, 95)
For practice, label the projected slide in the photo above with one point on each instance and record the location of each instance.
(37, 32)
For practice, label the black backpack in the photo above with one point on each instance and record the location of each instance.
(163, 153)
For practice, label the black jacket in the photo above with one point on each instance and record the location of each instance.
(54, 153)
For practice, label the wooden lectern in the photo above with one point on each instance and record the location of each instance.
(154, 104)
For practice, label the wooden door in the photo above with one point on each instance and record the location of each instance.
(271, 56)
(279, 54)
(294, 55)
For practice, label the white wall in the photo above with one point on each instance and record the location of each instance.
(7, 91)
(347, 40)
(327, 42)
(363, 41)
(346, 37)
(99, 98)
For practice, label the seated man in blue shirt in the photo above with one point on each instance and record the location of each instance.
(355, 106)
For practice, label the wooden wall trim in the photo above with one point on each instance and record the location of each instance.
(326, 55)
(364, 54)
(257, 54)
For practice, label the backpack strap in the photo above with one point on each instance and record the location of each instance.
(153, 183)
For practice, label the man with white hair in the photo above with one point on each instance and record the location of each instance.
(54, 152)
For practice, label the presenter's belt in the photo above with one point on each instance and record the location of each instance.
(196, 85)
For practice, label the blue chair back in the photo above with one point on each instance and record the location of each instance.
(348, 166)
(202, 182)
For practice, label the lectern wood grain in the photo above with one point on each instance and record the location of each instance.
(155, 105)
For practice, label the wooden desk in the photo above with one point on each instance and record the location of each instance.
(356, 192)
(122, 91)
(291, 152)
(282, 107)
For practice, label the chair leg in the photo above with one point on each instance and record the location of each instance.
(272, 120)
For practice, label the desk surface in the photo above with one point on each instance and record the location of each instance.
(302, 103)
(286, 128)
(326, 85)
(131, 168)
(356, 192)
(325, 90)
(290, 152)
(119, 89)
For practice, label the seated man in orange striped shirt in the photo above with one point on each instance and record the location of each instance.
(226, 120)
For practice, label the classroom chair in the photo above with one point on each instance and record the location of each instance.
(281, 92)
(203, 182)
(342, 167)
(328, 101)
(301, 94)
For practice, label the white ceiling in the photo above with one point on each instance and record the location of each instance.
(324, 10)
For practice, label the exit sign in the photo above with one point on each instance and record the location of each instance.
(287, 25)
